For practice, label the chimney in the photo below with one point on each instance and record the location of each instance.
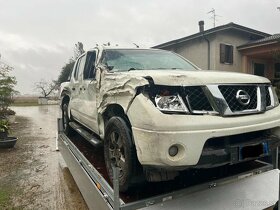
(201, 26)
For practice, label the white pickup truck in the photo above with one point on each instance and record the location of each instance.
(156, 114)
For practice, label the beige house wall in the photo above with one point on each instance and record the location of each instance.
(196, 50)
(192, 50)
(235, 39)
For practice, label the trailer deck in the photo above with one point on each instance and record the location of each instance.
(250, 185)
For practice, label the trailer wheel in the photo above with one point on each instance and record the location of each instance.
(65, 120)
(119, 151)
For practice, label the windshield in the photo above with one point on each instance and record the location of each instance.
(127, 60)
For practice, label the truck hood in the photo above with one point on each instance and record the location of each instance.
(196, 77)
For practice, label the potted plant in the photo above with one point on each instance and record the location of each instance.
(4, 127)
(8, 114)
(7, 92)
(5, 141)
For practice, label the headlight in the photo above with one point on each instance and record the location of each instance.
(275, 98)
(172, 103)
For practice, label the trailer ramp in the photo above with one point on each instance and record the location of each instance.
(250, 193)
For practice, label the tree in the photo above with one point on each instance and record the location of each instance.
(7, 91)
(68, 67)
(78, 50)
(46, 88)
(66, 71)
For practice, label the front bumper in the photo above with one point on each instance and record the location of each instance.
(237, 148)
(154, 132)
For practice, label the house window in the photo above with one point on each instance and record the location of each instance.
(277, 70)
(226, 54)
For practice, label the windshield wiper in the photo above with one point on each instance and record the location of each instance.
(133, 69)
(174, 68)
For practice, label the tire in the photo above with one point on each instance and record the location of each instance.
(120, 151)
(276, 206)
(65, 121)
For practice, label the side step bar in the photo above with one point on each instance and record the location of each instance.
(84, 133)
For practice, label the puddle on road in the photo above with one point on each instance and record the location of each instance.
(35, 173)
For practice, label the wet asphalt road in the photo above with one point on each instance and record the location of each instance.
(33, 175)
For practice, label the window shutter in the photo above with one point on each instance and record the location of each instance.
(222, 53)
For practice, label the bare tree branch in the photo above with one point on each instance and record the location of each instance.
(46, 88)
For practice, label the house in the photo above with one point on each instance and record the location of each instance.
(230, 47)
(262, 57)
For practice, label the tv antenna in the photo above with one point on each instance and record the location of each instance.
(214, 16)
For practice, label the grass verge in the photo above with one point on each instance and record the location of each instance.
(4, 198)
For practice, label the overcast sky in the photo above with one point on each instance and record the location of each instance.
(37, 36)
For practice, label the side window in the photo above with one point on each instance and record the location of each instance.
(81, 67)
(89, 71)
(226, 54)
(76, 70)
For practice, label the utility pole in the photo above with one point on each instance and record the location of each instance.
(214, 16)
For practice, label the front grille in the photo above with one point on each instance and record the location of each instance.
(223, 100)
(197, 99)
(230, 94)
(267, 96)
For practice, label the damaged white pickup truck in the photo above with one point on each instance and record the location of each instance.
(156, 113)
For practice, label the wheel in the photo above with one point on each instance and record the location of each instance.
(119, 151)
(65, 120)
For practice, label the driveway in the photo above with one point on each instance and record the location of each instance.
(33, 175)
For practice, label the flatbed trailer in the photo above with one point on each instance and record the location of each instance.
(252, 185)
